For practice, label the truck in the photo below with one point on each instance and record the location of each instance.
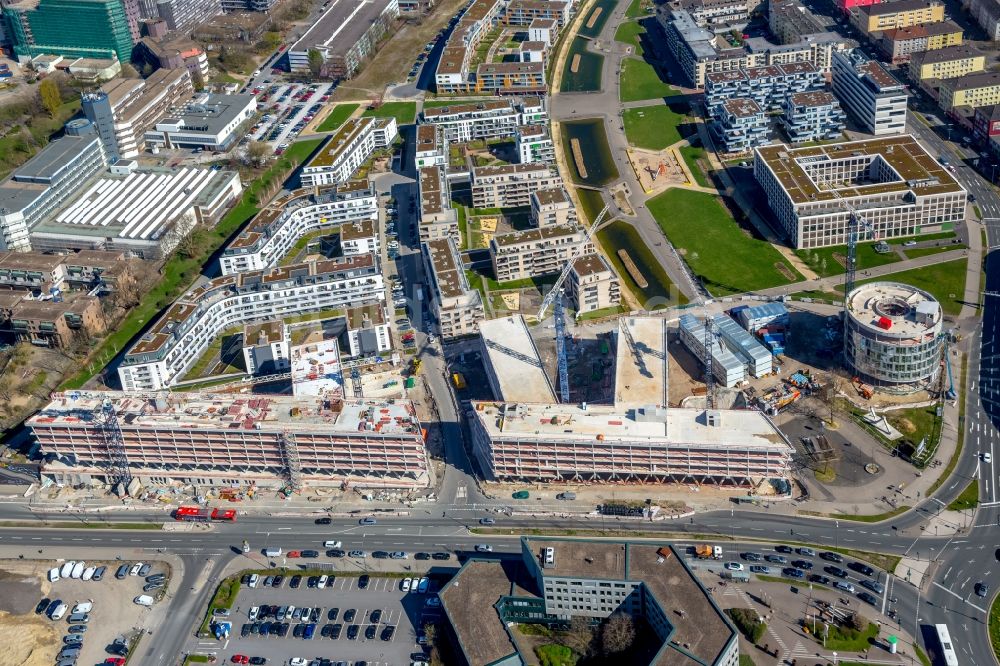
(195, 514)
(704, 551)
(458, 379)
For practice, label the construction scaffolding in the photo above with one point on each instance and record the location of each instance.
(290, 452)
(106, 418)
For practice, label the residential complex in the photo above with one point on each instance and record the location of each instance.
(457, 307)
(987, 14)
(438, 219)
(180, 15)
(209, 122)
(344, 35)
(900, 44)
(279, 225)
(71, 28)
(592, 284)
(40, 274)
(740, 125)
(266, 348)
(347, 150)
(556, 580)
(514, 367)
(552, 206)
(721, 13)
(972, 90)
(901, 188)
(48, 323)
(430, 148)
(898, 14)
(525, 254)
(947, 63)
(812, 116)
(171, 346)
(789, 21)
(768, 86)
(510, 185)
(487, 119)
(533, 144)
(870, 94)
(228, 440)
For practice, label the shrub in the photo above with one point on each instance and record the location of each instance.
(748, 623)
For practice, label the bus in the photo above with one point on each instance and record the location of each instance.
(948, 655)
(195, 514)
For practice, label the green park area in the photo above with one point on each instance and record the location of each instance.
(638, 8)
(337, 116)
(631, 33)
(656, 126)
(640, 81)
(729, 259)
(697, 162)
(404, 112)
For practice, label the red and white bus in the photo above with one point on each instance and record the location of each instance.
(195, 514)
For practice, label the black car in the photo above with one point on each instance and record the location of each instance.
(422, 556)
(777, 559)
(283, 631)
(447, 556)
(350, 614)
(370, 631)
(822, 580)
(246, 630)
(832, 557)
(352, 632)
(363, 581)
(836, 571)
(53, 605)
(309, 554)
(335, 553)
(265, 628)
(298, 630)
(333, 614)
(751, 557)
(122, 572)
(326, 631)
(792, 572)
(868, 598)
(803, 564)
(863, 569)
(324, 521)
(118, 649)
(258, 660)
(316, 614)
(295, 582)
(417, 656)
(873, 585)
(78, 629)
(337, 628)
(311, 581)
(278, 580)
(42, 606)
(375, 615)
(380, 555)
(255, 628)
(388, 632)
(784, 549)
(982, 589)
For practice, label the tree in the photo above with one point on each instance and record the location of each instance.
(859, 622)
(197, 80)
(6, 388)
(258, 152)
(147, 69)
(128, 71)
(579, 636)
(315, 62)
(48, 91)
(617, 634)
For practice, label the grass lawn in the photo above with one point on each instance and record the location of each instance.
(944, 235)
(823, 261)
(747, 660)
(404, 112)
(630, 32)
(225, 597)
(603, 312)
(636, 9)
(692, 155)
(727, 259)
(913, 253)
(845, 639)
(178, 272)
(655, 127)
(941, 280)
(554, 654)
(969, 499)
(639, 81)
(337, 116)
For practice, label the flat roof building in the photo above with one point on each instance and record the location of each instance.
(534, 252)
(345, 34)
(869, 93)
(642, 362)
(514, 367)
(592, 284)
(552, 206)
(438, 219)
(727, 369)
(457, 307)
(210, 122)
(510, 185)
(486, 119)
(946, 63)
(812, 116)
(265, 347)
(344, 152)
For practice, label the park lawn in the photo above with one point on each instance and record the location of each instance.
(915, 252)
(727, 260)
(822, 259)
(631, 33)
(846, 639)
(994, 626)
(655, 127)
(636, 9)
(969, 499)
(940, 280)
(338, 115)
(404, 112)
(692, 155)
(640, 81)
(554, 654)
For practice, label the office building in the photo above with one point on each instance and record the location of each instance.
(900, 44)
(161, 357)
(552, 206)
(488, 119)
(510, 185)
(345, 35)
(182, 16)
(276, 229)
(901, 188)
(972, 90)
(43, 184)
(525, 254)
(768, 85)
(812, 116)
(347, 150)
(514, 368)
(125, 109)
(740, 125)
(592, 284)
(70, 28)
(897, 14)
(49, 323)
(231, 440)
(947, 63)
(870, 94)
(210, 122)
(533, 144)
(438, 218)
(556, 580)
(457, 307)
(265, 348)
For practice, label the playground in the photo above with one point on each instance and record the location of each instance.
(657, 170)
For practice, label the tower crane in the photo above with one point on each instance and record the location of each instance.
(555, 297)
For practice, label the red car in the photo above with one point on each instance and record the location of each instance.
(115, 661)
(240, 659)
(294, 553)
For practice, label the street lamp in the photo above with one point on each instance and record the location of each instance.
(835, 659)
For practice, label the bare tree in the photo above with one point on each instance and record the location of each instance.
(258, 152)
(6, 388)
(617, 634)
(180, 238)
(138, 277)
(128, 71)
(579, 636)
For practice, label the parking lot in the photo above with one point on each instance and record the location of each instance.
(286, 109)
(377, 625)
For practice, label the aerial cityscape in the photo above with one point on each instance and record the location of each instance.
(499, 332)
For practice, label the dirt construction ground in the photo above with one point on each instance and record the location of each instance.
(34, 640)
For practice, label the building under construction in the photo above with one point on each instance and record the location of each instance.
(226, 440)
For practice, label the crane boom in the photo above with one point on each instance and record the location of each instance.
(556, 288)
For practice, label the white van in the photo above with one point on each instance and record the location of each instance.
(67, 569)
(333, 544)
(272, 552)
(88, 573)
(83, 607)
(254, 578)
(54, 574)
(59, 612)
(78, 570)
(143, 600)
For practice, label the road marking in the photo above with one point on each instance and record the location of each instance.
(936, 584)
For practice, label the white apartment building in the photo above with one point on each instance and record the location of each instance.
(592, 284)
(533, 144)
(812, 116)
(552, 206)
(438, 219)
(525, 254)
(276, 228)
(457, 307)
(543, 30)
(767, 85)
(870, 94)
(368, 331)
(360, 237)
(179, 337)
(898, 186)
(489, 119)
(347, 150)
(510, 185)
(741, 125)
(430, 149)
(265, 348)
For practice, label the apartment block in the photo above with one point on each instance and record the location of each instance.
(533, 144)
(125, 109)
(345, 35)
(897, 14)
(171, 54)
(870, 94)
(430, 149)
(900, 44)
(453, 73)
(510, 78)
(718, 13)
(438, 218)
(592, 284)
(552, 206)
(368, 331)
(43, 184)
(49, 323)
(812, 116)
(70, 28)
(946, 63)
(790, 21)
(266, 348)
(901, 188)
(457, 307)
(740, 125)
(488, 119)
(543, 30)
(972, 90)
(347, 150)
(230, 441)
(526, 254)
(180, 15)
(39, 273)
(510, 185)
(987, 14)
(986, 124)
(175, 341)
(525, 12)
(768, 85)
(281, 223)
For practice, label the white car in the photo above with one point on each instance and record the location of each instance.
(134, 571)
(484, 548)
(297, 661)
(405, 585)
(987, 457)
(88, 573)
(254, 613)
(67, 569)
(78, 570)
(143, 600)
(321, 583)
(254, 578)
(54, 574)
(333, 544)
(734, 566)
